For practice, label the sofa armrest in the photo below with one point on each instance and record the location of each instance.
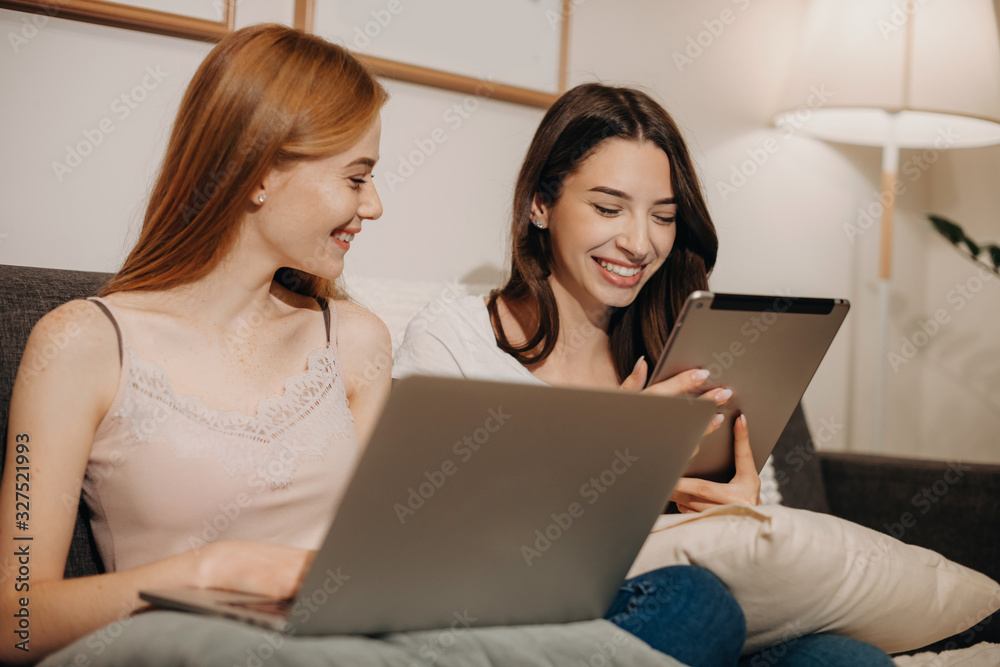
(951, 507)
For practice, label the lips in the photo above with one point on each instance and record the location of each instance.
(620, 275)
(343, 237)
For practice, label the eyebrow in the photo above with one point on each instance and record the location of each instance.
(366, 161)
(628, 197)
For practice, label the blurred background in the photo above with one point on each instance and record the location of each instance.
(792, 212)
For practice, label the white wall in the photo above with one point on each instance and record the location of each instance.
(781, 227)
(784, 225)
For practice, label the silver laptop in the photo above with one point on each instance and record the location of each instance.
(484, 503)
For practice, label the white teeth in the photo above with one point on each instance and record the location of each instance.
(620, 270)
(344, 236)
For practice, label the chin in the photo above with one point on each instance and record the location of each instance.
(621, 299)
(326, 269)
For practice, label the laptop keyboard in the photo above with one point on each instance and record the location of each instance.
(278, 607)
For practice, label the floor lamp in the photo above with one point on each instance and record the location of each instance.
(897, 74)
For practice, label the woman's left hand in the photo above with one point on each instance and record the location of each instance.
(697, 495)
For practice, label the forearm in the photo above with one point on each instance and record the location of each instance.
(61, 611)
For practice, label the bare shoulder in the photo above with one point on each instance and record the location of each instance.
(360, 329)
(78, 328)
(73, 347)
(365, 345)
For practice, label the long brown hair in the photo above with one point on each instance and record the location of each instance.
(265, 95)
(570, 131)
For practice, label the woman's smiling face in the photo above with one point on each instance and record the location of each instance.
(613, 225)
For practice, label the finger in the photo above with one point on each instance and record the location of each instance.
(701, 488)
(693, 503)
(680, 383)
(636, 380)
(720, 395)
(684, 509)
(745, 465)
(714, 425)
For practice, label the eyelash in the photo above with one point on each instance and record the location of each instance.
(359, 183)
(609, 212)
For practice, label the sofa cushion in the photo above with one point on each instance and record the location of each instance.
(796, 572)
(797, 467)
(947, 506)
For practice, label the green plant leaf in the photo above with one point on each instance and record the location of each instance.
(948, 229)
(994, 253)
(974, 249)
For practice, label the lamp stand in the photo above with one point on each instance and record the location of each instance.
(890, 167)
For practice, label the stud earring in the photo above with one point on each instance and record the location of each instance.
(261, 197)
(538, 223)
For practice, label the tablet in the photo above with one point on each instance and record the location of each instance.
(765, 348)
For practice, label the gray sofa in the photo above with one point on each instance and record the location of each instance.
(900, 496)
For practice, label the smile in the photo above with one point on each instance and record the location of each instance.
(619, 270)
(343, 236)
(618, 275)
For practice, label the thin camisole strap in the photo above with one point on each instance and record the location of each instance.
(107, 311)
(325, 305)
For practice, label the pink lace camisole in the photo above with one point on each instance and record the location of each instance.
(167, 474)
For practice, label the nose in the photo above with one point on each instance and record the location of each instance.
(634, 239)
(371, 204)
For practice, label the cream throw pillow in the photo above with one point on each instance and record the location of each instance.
(796, 572)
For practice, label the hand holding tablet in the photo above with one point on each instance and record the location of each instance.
(765, 349)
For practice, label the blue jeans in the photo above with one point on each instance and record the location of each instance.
(819, 651)
(687, 613)
(683, 611)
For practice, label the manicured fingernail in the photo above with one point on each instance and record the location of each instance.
(717, 419)
(743, 420)
(700, 375)
(723, 396)
(638, 361)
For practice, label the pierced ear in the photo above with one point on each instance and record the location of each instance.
(539, 212)
(258, 196)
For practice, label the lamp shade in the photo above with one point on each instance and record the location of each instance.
(919, 74)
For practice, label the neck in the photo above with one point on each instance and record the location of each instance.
(582, 354)
(240, 289)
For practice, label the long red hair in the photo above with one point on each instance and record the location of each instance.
(265, 95)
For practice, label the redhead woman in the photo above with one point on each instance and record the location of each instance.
(219, 367)
(610, 234)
